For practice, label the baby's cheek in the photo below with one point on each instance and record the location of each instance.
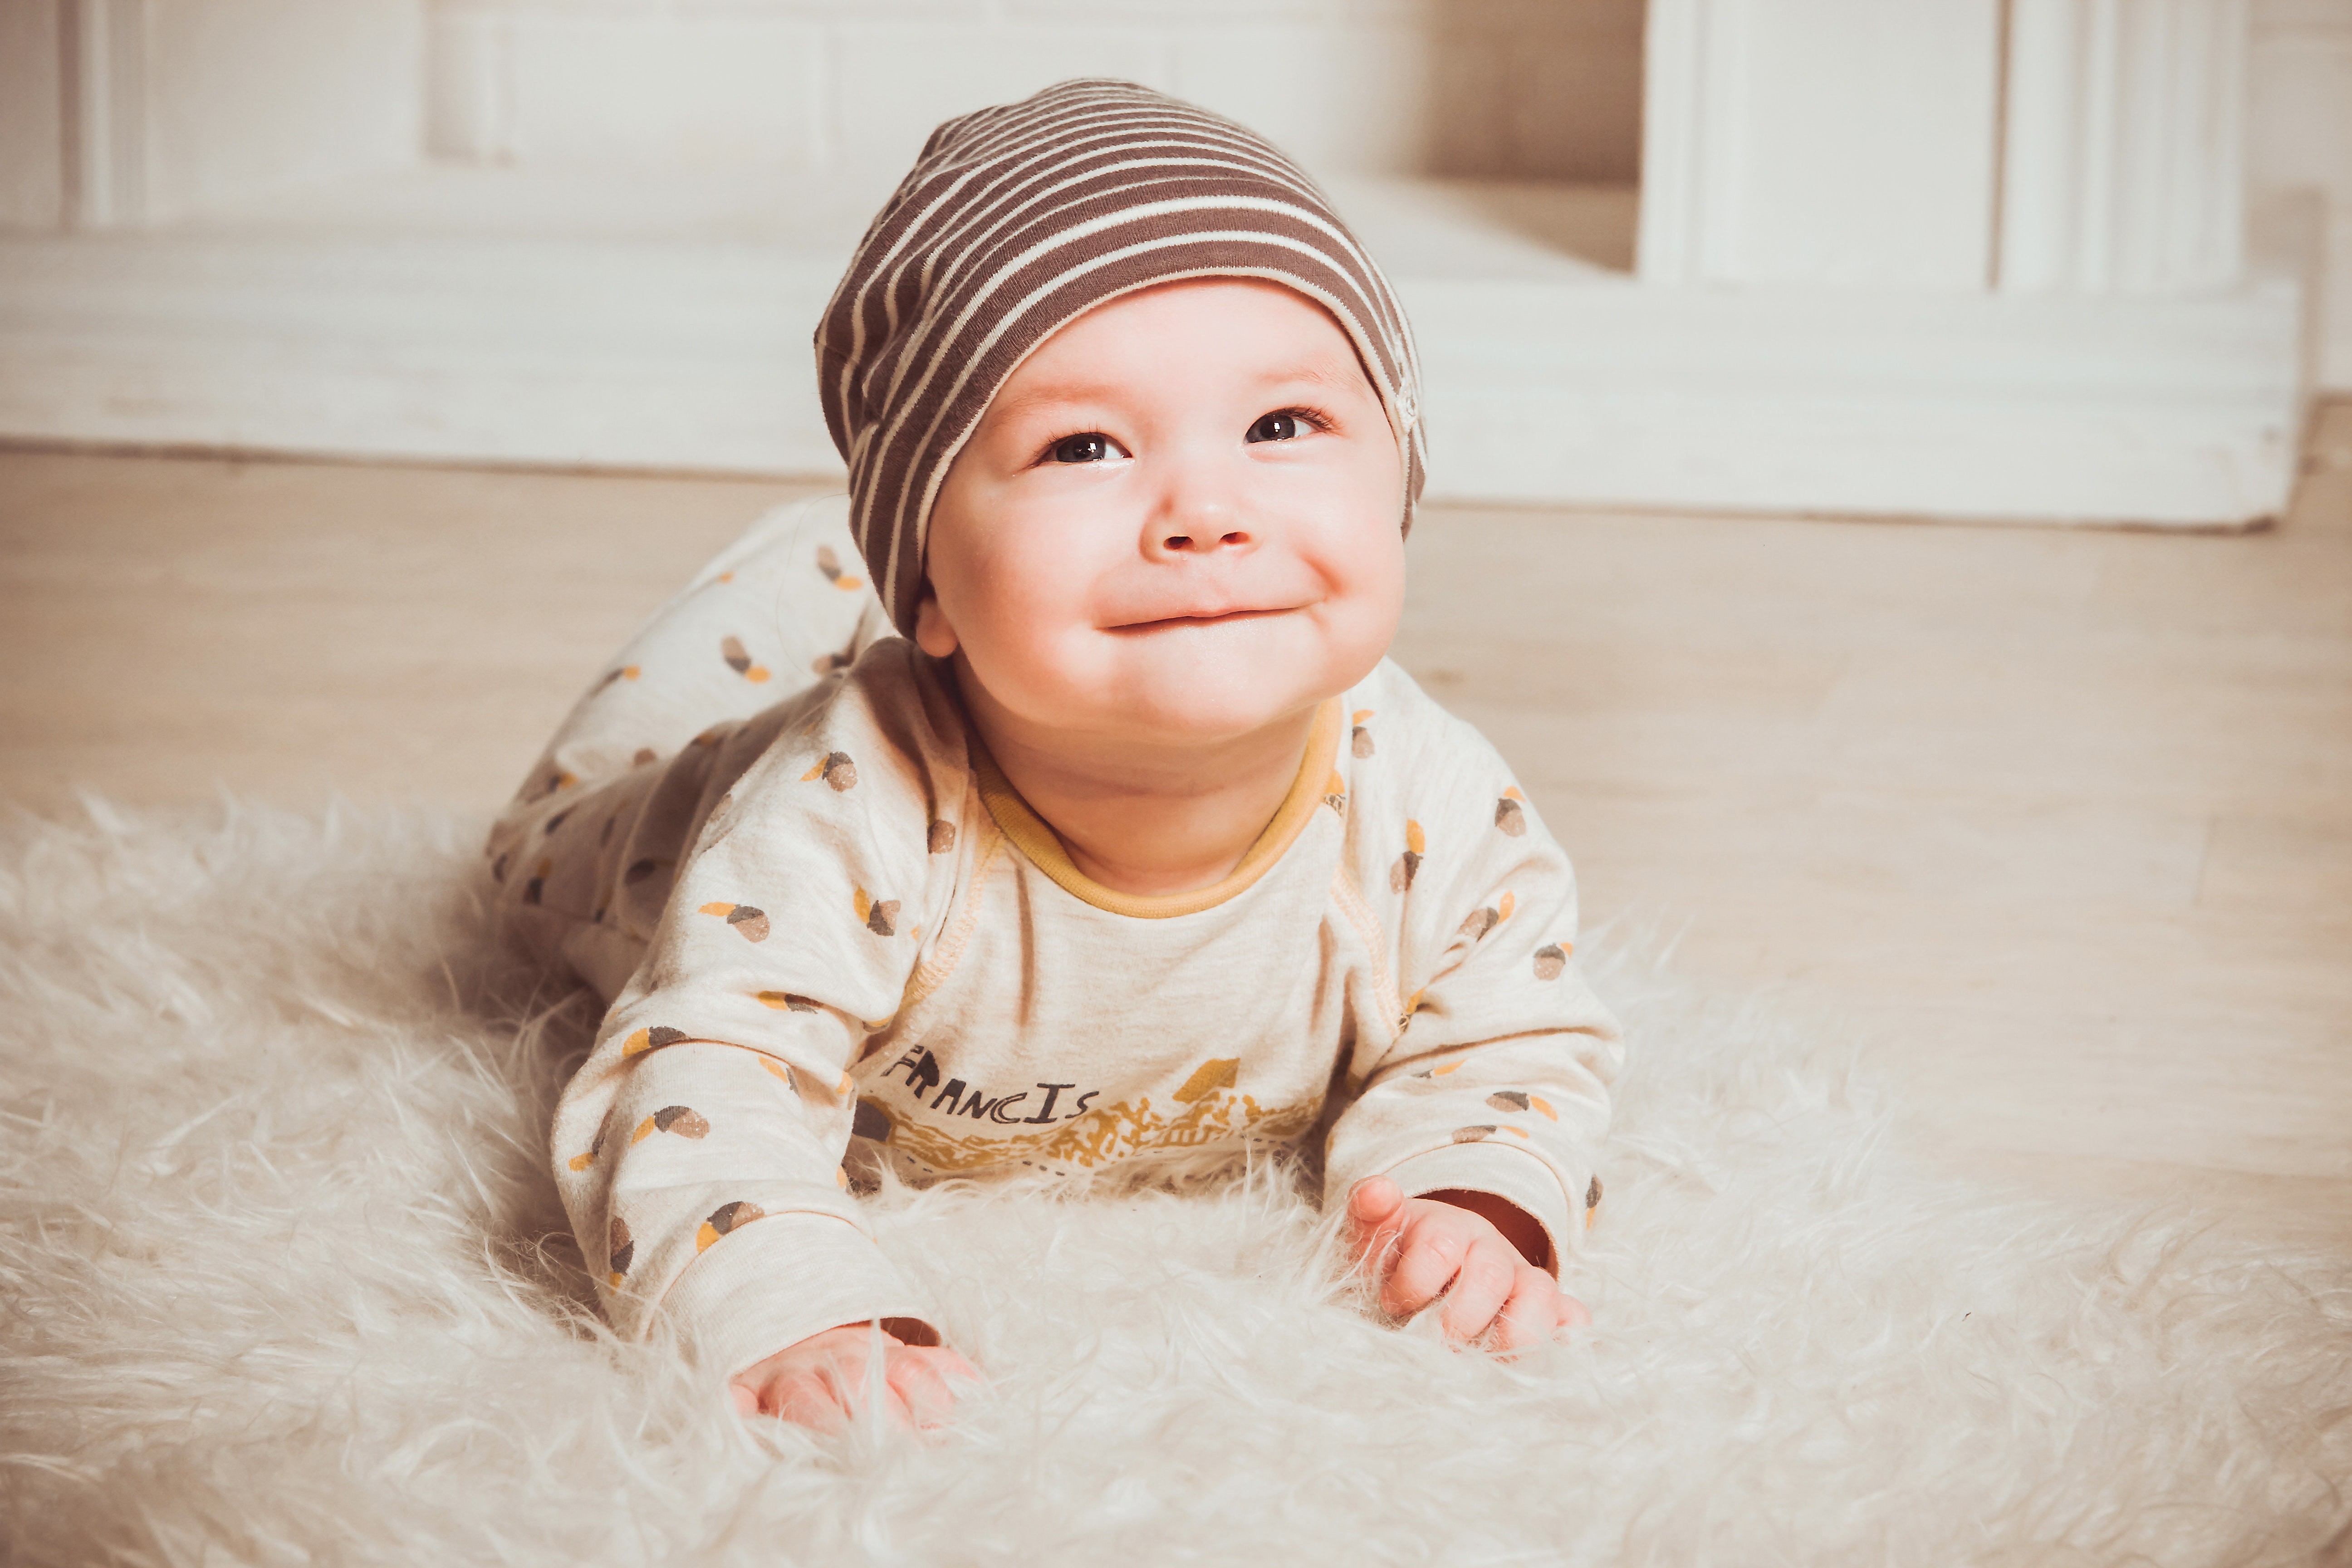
(1359, 628)
(1035, 667)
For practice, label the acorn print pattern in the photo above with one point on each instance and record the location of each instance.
(1552, 959)
(622, 1249)
(1480, 1133)
(544, 785)
(596, 1147)
(787, 1000)
(1591, 1201)
(644, 754)
(738, 660)
(836, 769)
(650, 1039)
(639, 870)
(1359, 740)
(626, 673)
(830, 565)
(725, 1218)
(878, 915)
(941, 836)
(1408, 865)
(1519, 1100)
(676, 1118)
(552, 823)
(1483, 920)
(750, 923)
(533, 890)
(1335, 793)
(1510, 816)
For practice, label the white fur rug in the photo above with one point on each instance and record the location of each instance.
(285, 1281)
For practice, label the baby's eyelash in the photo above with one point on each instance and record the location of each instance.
(1308, 415)
(1050, 452)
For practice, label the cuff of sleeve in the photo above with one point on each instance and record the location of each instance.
(1518, 1179)
(780, 1280)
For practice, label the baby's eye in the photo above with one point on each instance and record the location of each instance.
(1093, 446)
(1282, 426)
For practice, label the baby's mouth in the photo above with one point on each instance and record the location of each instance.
(1213, 618)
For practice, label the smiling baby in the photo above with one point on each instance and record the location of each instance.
(1098, 830)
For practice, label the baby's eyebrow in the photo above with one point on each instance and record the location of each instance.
(1317, 373)
(1059, 395)
(1097, 395)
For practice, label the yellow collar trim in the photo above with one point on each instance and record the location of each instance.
(1030, 833)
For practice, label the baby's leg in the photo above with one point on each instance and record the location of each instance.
(598, 828)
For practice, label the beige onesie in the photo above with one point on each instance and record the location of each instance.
(834, 935)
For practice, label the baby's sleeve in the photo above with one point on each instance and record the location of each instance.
(1497, 1079)
(698, 1149)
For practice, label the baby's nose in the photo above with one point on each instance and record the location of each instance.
(1203, 539)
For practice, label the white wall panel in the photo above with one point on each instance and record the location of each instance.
(1827, 143)
(1353, 102)
(247, 96)
(2299, 137)
(1541, 88)
(700, 88)
(32, 110)
(897, 80)
(2125, 157)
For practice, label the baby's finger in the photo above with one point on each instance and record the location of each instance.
(1530, 1315)
(1481, 1286)
(948, 1363)
(1426, 1265)
(1374, 1207)
(812, 1400)
(928, 1399)
(1573, 1313)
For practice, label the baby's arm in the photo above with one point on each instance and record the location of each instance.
(707, 1187)
(1467, 1150)
(699, 1150)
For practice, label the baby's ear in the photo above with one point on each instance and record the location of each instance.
(932, 633)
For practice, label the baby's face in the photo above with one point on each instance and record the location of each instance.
(1178, 521)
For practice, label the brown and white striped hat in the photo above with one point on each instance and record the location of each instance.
(1016, 220)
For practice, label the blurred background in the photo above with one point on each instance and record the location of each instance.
(1987, 258)
(368, 368)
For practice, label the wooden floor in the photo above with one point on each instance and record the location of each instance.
(2058, 822)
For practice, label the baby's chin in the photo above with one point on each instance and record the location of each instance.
(1177, 718)
(1215, 683)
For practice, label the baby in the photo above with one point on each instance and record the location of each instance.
(1101, 830)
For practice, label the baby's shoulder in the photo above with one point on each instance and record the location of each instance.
(1403, 744)
(1426, 788)
(882, 742)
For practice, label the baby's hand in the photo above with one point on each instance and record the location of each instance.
(820, 1382)
(1423, 1247)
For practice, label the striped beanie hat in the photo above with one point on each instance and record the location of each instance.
(1016, 220)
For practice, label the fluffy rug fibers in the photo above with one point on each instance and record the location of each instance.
(283, 1279)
